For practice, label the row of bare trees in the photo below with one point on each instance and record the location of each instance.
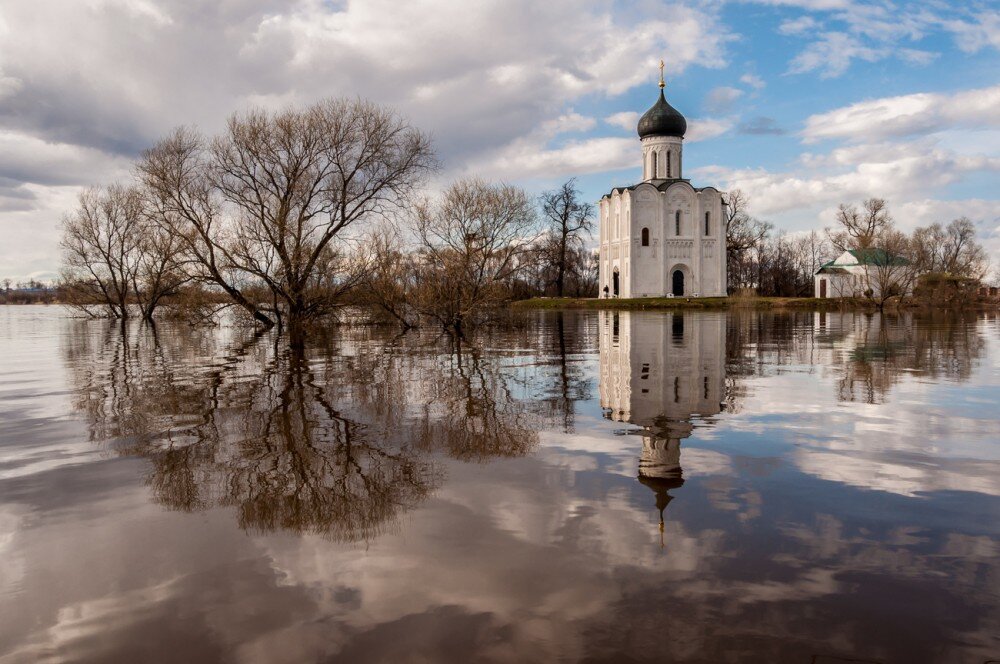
(262, 214)
(289, 215)
(783, 265)
(478, 246)
(772, 265)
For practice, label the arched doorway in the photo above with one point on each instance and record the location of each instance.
(614, 282)
(678, 283)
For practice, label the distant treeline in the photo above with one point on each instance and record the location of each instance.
(782, 265)
(27, 292)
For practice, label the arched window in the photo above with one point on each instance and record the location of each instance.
(645, 237)
(652, 165)
(668, 164)
(677, 223)
(708, 223)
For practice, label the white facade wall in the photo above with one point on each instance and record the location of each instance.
(647, 270)
(673, 214)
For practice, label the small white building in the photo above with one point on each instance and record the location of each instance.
(662, 236)
(859, 270)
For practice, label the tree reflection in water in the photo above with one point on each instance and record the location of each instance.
(870, 351)
(338, 439)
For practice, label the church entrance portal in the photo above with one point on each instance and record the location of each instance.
(678, 284)
(614, 282)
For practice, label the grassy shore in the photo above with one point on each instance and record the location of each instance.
(653, 303)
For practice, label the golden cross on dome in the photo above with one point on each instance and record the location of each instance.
(662, 84)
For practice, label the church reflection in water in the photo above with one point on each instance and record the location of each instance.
(658, 372)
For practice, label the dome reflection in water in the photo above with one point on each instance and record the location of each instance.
(657, 374)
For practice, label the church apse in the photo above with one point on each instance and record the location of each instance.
(658, 372)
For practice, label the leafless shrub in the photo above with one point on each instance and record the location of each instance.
(470, 240)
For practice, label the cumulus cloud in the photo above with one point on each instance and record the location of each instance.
(897, 172)
(702, 129)
(753, 80)
(907, 115)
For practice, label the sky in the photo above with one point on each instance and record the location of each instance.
(802, 104)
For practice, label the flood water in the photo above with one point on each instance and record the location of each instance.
(696, 487)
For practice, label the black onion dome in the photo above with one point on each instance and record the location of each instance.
(662, 120)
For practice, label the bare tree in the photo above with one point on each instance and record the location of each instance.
(961, 254)
(859, 229)
(470, 240)
(928, 243)
(567, 219)
(160, 274)
(102, 257)
(391, 281)
(744, 235)
(176, 173)
(271, 201)
(889, 270)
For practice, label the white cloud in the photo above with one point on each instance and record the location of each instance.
(624, 119)
(798, 26)
(832, 54)
(530, 158)
(974, 35)
(906, 115)
(896, 172)
(722, 99)
(702, 129)
(752, 80)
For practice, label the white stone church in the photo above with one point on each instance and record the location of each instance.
(662, 237)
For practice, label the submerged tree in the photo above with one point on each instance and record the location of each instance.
(470, 240)
(115, 260)
(101, 248)
(270, 203)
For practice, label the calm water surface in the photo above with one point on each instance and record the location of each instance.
(581, 487)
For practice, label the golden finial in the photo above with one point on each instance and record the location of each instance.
(662, 84)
